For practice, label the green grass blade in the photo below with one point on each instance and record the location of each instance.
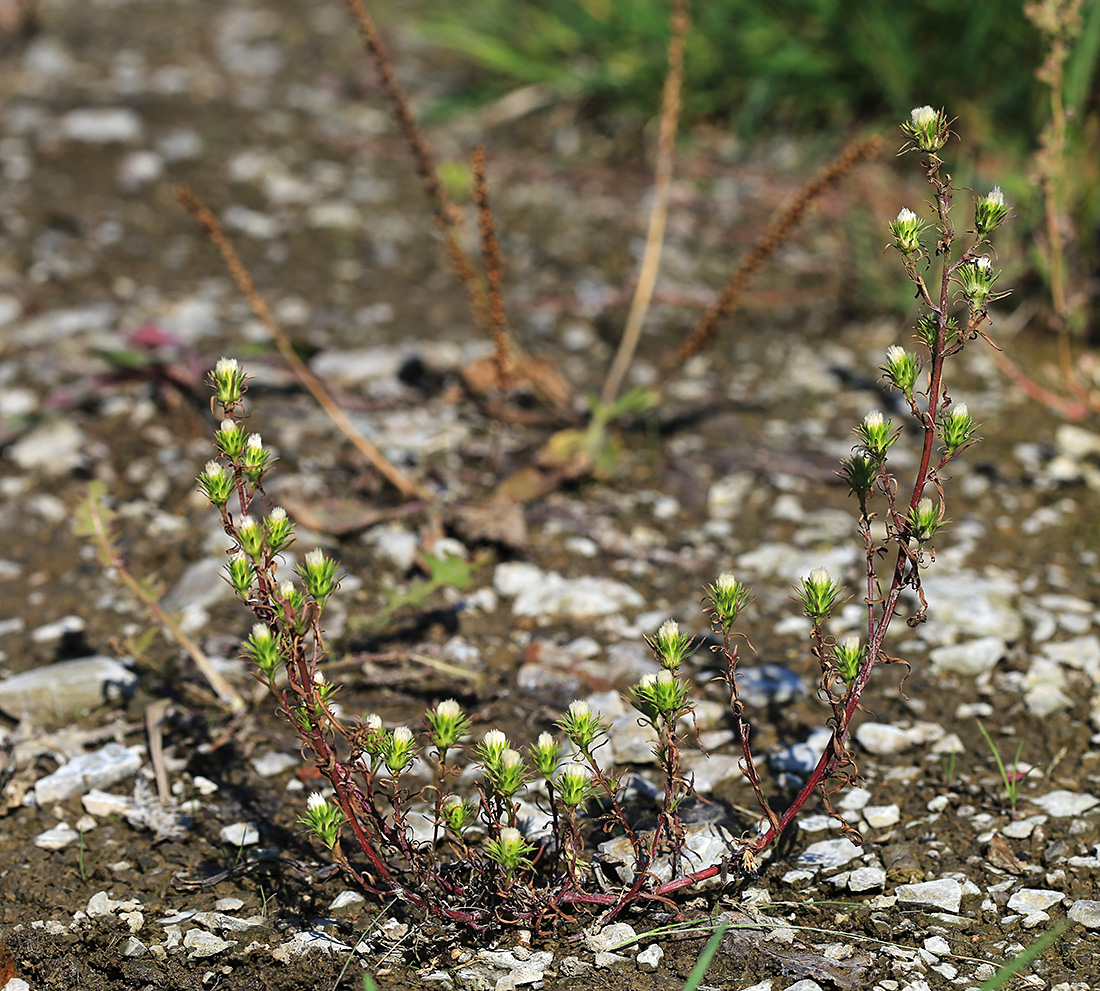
(1013, 967)
(699, 971)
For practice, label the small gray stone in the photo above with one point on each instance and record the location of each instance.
(1085, 913)
(61, 836)
(968, 659)
(240, 834)
(134, 947)
(55, 447)
(826, 854)
(101, 125)
(650, 958)
(882, 738)
(605, 960)
(610, 937)
(202, 944)
(804, 985)
(304, 943)
(944, 894)
(274, 762)
(573, 966)
(100, 769)
(64, 691)
(973, 604)
(1063, 804)
(882, 816)
(578, 598)
(762, 684)
(866, 879)
(1029, 900)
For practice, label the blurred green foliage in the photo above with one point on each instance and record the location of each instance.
(764, 65)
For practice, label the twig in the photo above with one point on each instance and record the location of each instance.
(95, 523)
(154, 728)
(213, 228)
(658, 215)
(774, 236)
(444, 213)
(491, 259)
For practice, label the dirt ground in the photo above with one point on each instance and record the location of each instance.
(269, 111)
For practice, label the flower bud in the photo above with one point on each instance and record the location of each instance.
(818, 595)
(544, 754)
(848, 655)
(727, 597)
(229, 439)
(509, 849)
(240, 574)
(906, 229)
(670, 646)
(924, 521)
(399, 751)
(875, 435)
(447, 725)
(264, 650)
(216, 483)
(228, 381)
(323, 818)
(901, 369)
(318, 574)
(958, 429)
(581, 725)
(927, 128)
(990, 212)
(573, 785)
(278, 529)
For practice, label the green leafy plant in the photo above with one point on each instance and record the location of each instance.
(479, 868)
(760, 66)
(1012, 778)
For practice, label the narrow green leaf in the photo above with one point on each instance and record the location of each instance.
(699, 971)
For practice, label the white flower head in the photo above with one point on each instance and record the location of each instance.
(286, 589)
(820, 576)
(246, 522)
(873, 419)
(894, 352)
(261, 631)
(225, 365)
(228, 425)
(277, 515)
(924, 507)
(960, 411)
(373, 722)
(669, 629)
(448, 709)
(850, 644)
(648, 679)
(983, 262)
(725, 581)
(254, 441)
(921, 116)
(579, 709)
(494, 739)
(509, 836)
(316, 801)
(665, 678)
(996, 197)
(545, 742)
(315, 558)
(318, 678)
(510, 758)
(402, 735)
(212, 469)
(906, 216)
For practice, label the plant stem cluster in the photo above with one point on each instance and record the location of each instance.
(482, 864)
